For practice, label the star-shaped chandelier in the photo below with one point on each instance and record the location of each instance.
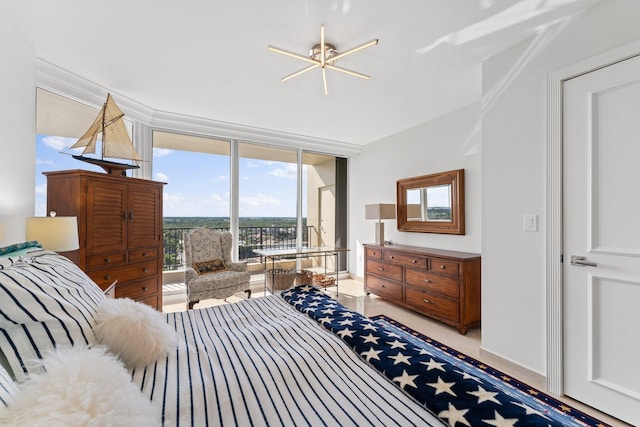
(324, 55)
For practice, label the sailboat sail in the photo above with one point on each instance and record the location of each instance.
(116, 142)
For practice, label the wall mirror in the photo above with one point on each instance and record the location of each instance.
(432, 203)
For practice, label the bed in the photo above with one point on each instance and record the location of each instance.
(282, 359)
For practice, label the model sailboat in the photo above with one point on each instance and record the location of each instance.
(116, 142)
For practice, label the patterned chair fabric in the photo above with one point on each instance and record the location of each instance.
(203, 245)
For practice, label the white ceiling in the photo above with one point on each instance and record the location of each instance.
(209, 59)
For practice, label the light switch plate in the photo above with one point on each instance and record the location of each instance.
(531, 223)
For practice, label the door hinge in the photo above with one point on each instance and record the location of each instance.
(561, 258)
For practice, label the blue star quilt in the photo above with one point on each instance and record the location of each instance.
(439, 382)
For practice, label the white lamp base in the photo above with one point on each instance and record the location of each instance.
(380, 233)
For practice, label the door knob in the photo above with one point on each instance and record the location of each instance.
(582, 261)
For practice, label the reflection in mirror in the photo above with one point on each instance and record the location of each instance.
(432, 203)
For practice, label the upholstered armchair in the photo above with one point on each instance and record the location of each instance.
(209, 272)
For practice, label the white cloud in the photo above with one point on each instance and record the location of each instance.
(288, 171)
(162, 177)
(161, 152)
(58, 142)
(223, 178)
(252, 164)
(41, 189)
(259, 200)
(43, 162)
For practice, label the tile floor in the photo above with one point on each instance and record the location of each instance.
(352, 295)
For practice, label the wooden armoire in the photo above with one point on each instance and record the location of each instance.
(119, 227)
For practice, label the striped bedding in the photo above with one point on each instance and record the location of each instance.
(261, 362)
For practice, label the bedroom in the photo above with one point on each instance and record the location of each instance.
(499, 138)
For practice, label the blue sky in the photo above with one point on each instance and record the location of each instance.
(197, 184)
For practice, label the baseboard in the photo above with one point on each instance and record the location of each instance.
(526, 375)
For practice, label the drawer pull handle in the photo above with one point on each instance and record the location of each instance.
(382, 286)
(107, 277)
(427, 301)
(144, 254)
(380, 269)
(145, 270)
(427, 281)
(414, 261)
(442, 267)
(391, 257)
(107, 260)
(145, 288)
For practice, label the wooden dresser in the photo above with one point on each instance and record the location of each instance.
(119, 227)
(441, 284)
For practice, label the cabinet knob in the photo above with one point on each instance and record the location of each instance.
(107, 277)
(144, 254)
(427, 301)
(427, 281)
(382, 286)
(145, 288)
(107, 260)
(391, 257)
(380, 269)
(414, 261)
(145, 270)
(442, 267)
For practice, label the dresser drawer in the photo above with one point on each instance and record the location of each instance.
(143, 254)
(432, 304)
(105, 276)
(405, 259)
(138, 290)
(374, 253)
(444, 266)
(384, 288)
(445, 285)
(389, 271)
(106, 260)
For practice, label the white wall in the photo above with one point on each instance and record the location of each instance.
(17, 130)
(446, 143)
(514, 175)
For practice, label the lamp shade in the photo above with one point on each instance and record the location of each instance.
(58, 234)
(380, 211)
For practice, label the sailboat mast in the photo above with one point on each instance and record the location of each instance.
(104, 119)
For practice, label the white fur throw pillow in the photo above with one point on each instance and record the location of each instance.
(81, 387)
(135, 332)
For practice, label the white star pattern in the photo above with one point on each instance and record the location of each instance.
(400, 358)
(529, 410)
(485, 396)
(325, 320)
(397, 344)
(454, 415)
(498, 421)
(432, 364)
(347, 314)
(371, 354)
(442, 387)
(369, 327)
(405, 380)
(346, 322)
(328, 311)
(467, 376)
(370, 338)
(345, 332)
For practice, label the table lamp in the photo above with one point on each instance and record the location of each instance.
(55, 233)
(379, 212)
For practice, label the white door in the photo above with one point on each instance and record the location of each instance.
(601, 223)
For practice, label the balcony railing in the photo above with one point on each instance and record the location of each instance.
(249, 238)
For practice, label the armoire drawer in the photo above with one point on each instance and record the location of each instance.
(111, 259)
(389, 271)
(385, 288)
(138, 290)
(105, 276)
(374, 253)
(143, 254)
(433, 304)
(445, 285)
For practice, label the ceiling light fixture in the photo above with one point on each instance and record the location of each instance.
(324, 55)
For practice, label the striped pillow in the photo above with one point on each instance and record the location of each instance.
(46, 301)
(8, 389)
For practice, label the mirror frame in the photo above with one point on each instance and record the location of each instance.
(456, 179)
